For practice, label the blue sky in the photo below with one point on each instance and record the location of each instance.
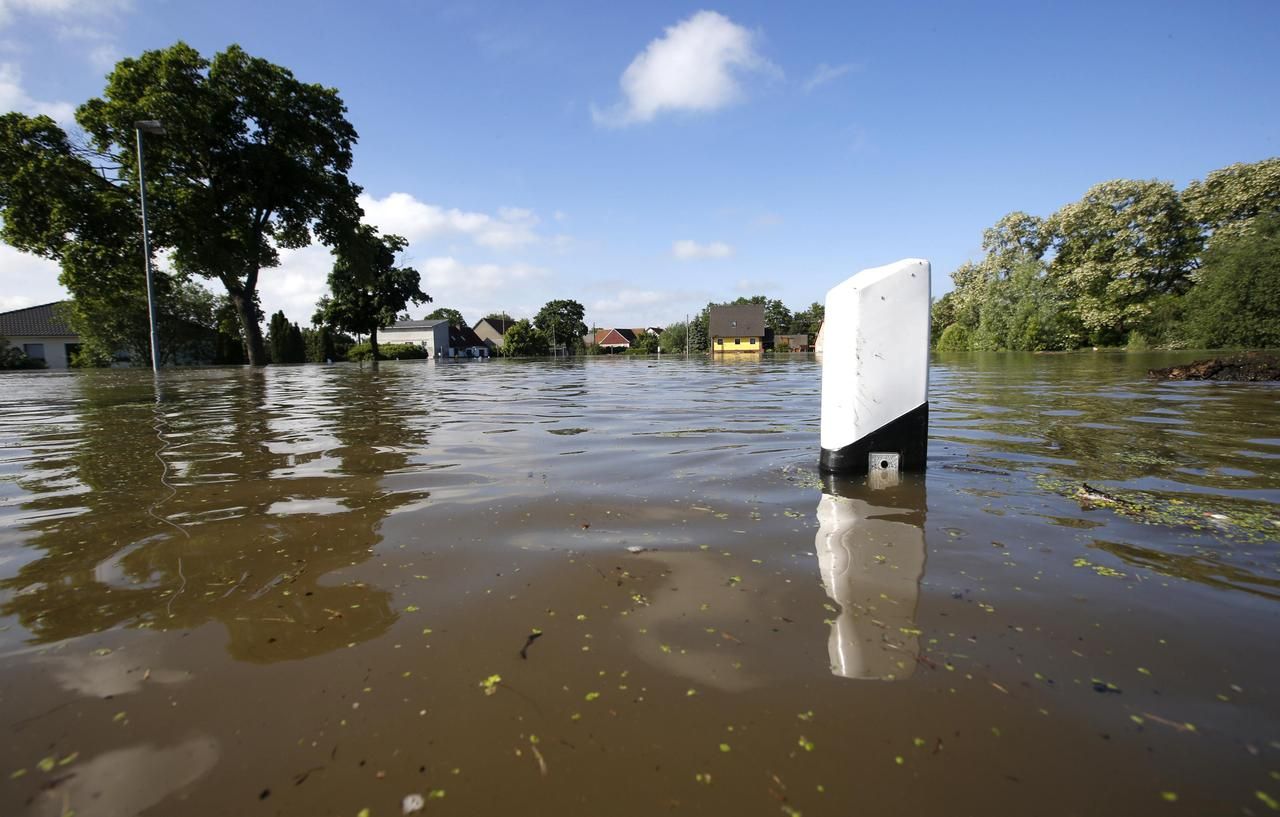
(647, 158)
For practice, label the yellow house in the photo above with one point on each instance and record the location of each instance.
(736, 329)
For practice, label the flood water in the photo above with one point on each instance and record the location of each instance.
(316, 590)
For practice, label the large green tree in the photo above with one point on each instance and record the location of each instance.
(1237, 301)
(368, 291)
(1227, 200)
(109, 322)
(444, 313)
(777, 316)
(1121, 245)
(254, 161)
(808, 321)
(285, 341)
(561, 323)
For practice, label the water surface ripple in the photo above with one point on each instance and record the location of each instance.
(290, 591)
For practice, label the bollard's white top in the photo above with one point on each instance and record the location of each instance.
(875, 356)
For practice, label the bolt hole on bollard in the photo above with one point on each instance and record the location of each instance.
(875, 371)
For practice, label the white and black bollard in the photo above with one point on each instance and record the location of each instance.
(875, 371)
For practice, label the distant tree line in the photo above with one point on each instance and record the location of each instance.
(1132, 263)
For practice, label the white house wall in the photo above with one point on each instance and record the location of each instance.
(55, 348)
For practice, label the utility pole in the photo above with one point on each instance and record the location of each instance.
(140, 127)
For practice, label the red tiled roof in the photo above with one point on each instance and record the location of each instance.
(614, 337)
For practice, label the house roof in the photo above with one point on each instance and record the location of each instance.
(462, 337)
(35, 321)
(739, 320)
(615, 337)
(415, 324)
(497, 324)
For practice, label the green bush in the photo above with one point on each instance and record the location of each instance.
(387, 351)
(955, 338)
(645, 344)
(12, 358)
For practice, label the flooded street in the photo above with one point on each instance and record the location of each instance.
(619, 587)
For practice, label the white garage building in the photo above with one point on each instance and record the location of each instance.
(430, 335)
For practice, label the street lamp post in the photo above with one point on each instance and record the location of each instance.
(140, 127)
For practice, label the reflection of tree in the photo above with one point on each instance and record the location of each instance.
(871, 555)
(1202, 566)
(1079, 411)
(275, 482)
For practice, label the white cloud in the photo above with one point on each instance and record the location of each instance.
(445, 277)
(644, 307)
(26, 280)
(13, 97)
(78, 9)
(404, 215)
(686, 250)
(755, 286)
(695, 66)
(767, 220)
(97, 42)
(825, 73)
(295, 286)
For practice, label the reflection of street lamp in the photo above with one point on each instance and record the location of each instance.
(140, 127)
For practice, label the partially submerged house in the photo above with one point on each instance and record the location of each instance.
(620, 339)
(464, 342)
(737, 328)
(491, 330)
(791, 343)
(41, 334)
(615, 340)
(432, 335)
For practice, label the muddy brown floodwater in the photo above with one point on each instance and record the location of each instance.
(306, 591)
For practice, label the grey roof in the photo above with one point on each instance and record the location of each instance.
(35, 321)
(740, 320)
(415, 324)
(463, 337)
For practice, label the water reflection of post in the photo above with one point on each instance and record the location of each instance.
(871, 555)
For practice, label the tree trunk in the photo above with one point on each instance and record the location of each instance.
(251, 331)
(373, 344)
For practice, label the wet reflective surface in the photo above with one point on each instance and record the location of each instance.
(307, 590)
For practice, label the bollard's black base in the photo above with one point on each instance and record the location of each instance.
(908, 436)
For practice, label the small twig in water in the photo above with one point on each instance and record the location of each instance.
(528, 642)
(542, 764)
(169, 607)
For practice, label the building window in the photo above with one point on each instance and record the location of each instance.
(737, 341)
(753, 341)
(35, 351)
